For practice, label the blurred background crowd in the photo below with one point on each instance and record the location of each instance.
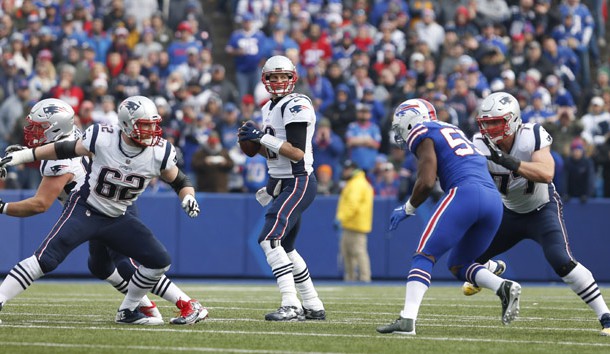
(200, 63)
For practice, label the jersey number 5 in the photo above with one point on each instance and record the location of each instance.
(457, 141)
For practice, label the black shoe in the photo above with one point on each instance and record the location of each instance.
(135, 317)
(400, 326)
(286, 313)
(509, 293)
(605, 321)
(314, 315)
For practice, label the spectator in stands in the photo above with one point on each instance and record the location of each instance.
(211, 164)
(320, 88)
(99, 39)
(386, 183)
(328, 148)
(178, 48)
(221, 86)
(388, 60)
(580, 29)
(344, 50)
(316, 47)
(464, 102)
(579, 173)
(163, 34)
(106, 113)
(279, 41)
(559, 95)
(429, 31)
(596, 123)
(43, 80)
(65, 89)
(247, 46)
(248, 110)
(363, 138)
(378, 112)
(147, 44)
(326, 184)
(535, 60)
(12, 109)
(131, 82)
(341, 112)
(602, 160)
(537, 112)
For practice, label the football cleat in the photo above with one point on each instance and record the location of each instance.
(191, 312)
(400, 326)
(605, 321)
(509, 293)
(469, 289)
(135, 317)
(151, 311)
(319, 315)
(286, 313)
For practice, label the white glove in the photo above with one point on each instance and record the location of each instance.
(190, 206)
(17, 158)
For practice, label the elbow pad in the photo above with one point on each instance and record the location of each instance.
(65, 149)
(180, 182)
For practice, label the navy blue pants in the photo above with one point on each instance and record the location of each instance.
(283, 218)
(79, 223)
(545, 227)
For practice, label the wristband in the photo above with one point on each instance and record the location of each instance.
(409, 208)
(272, 143)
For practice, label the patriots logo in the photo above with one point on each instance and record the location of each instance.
(131, 106)
(57, 168)
(52, 109)
(296, 109)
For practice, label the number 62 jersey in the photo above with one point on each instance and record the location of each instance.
(519, 194)
(119, 173)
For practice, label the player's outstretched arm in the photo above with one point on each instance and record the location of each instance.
(56, 151)
(49, 189)
(184, 188)
(542, 167)
(426, 173)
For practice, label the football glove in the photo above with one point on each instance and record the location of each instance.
(2, 205)
(190, 206)
(15, 147)
(3, 172)
(500, 157)
(398, 215)
(249, 131)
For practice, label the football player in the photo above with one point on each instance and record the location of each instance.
(444, 152)
(114, 169)
(521, 164)
(285, 136)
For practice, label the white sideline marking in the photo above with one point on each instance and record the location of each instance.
(146, 347)
(307, 334)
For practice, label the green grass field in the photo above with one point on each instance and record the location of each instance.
(77, 317)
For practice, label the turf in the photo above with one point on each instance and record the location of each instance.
(77, 317)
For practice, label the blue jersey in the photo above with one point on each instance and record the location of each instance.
(459, 161)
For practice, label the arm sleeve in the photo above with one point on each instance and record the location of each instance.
(296, 134)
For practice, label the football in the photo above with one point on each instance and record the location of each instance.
(250, 147)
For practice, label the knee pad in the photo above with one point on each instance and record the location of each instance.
(566, 269)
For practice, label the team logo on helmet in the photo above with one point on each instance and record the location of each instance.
(52, 109)
(131, 106)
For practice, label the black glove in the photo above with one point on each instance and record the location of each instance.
(500, 157)
(2, 205)
(3, 172)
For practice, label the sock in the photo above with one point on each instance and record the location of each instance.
(581, 281)
(303, 282)
(415, 294)
(491, 265)
(166, 289)
(141, 283)
(20, 278)
(281, 266)
(116, 280)
(486, 279)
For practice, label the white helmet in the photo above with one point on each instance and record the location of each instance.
(49, 120)
(135, 111)
(502, 109)
(279, 64)
(408, 114)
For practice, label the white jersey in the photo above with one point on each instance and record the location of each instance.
(77, 166)
(119, 173)
(519, 194)
(290, 109)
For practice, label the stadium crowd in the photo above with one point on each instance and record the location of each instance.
(357, 60)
